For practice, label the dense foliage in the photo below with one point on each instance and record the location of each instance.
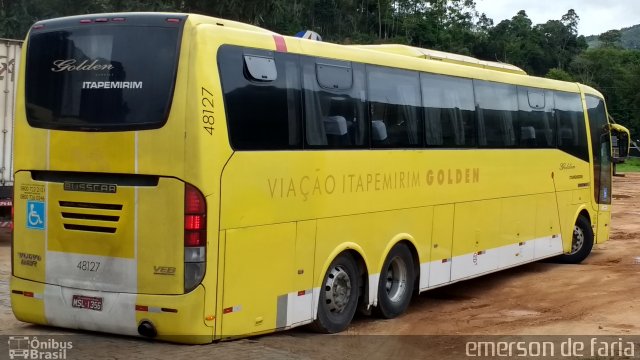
(552, 49)
(629, 38)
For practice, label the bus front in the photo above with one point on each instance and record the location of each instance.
(110, 218)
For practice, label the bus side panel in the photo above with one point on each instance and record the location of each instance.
(441, 247)
(301, 309)
(517, 230)
(547, 227)
(604, 222)
(476, 231)
(258, 277)
(501, 233)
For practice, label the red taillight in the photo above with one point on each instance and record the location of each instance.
(86, 21)
(173, 20)
(194, 222)
(194, 202)
(195, 237)
(38, 26)
(195, 211)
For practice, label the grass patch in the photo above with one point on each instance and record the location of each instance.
(631, 165)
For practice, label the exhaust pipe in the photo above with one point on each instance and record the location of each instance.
(147, 329)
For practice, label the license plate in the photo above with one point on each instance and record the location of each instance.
(87, 302)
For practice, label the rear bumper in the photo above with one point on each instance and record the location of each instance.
(176, 318)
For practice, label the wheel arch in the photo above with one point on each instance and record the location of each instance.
(410, 242)
(584, 212)
(567, 238)
(358, 255)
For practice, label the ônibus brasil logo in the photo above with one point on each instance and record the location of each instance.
(25, 347)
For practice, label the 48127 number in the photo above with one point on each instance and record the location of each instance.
(208, 119)
(88, 265)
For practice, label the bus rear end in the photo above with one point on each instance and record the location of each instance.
(109, 235)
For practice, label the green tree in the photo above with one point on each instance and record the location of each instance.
(616, 73)
(558, 74)
(610, 38)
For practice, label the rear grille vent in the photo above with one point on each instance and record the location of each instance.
(84, 205)
(67, 215)
(102, 229)
(89, 214)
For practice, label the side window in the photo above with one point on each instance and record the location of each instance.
(334, 104)
(262, 98)
(497, 114)
(449, 111)
(572, 134)
(394, 98)
(535, 117)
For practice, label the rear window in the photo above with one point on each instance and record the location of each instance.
(101, 77)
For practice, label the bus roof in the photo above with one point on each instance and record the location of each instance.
(443, 56)
(195, 19)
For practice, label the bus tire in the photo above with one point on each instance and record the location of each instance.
(339, 293)
(395, 286)
(581, 243)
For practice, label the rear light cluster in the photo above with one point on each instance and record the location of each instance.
(195, 237)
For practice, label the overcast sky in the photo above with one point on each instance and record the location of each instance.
(596, 16)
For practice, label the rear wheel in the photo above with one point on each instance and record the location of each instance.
(581, 244)
(395, 287)
(338, 296)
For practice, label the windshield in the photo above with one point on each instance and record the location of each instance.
(101, 77)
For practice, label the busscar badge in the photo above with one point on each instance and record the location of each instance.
(90, 187)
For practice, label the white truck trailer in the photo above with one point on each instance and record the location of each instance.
(10, 51)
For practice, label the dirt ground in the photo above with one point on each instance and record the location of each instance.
(597, 298)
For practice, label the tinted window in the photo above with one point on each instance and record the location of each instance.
(394, 97)
(262, 102)
(449, 111)
(103, 77)
(572, 135)
(535, 118)
(334, 104)
(497, 114)
(261, 68)
(601, 148)
(334, 77)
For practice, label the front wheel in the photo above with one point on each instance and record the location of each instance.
(338, 296)
(581, 244)
(395, 287)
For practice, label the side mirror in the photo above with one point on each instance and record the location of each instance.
(620, 143)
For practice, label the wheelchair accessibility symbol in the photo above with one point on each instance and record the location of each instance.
(35, 215)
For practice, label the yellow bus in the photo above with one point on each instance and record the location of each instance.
(194, 179)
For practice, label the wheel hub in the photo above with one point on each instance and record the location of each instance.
(578, 240)
(396, 279)
(337, 290)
